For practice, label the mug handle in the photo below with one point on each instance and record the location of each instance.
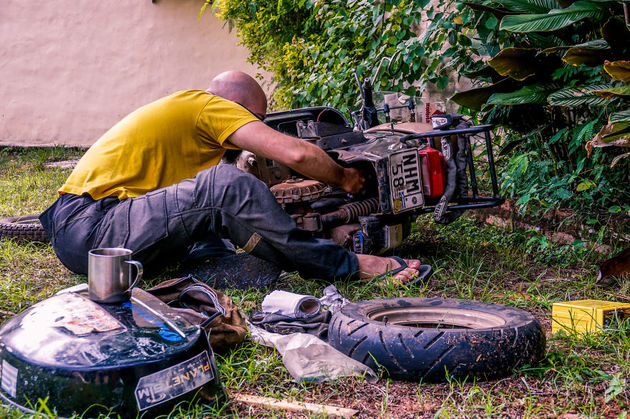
(138, 266)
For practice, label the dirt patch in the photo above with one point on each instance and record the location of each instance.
(65, 164)
(562, 226)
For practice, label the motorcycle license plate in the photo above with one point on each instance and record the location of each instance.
(404, 180)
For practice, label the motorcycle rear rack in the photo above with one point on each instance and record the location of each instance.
(476, 201)
(286, 121)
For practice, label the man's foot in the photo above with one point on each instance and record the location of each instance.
(372, 266)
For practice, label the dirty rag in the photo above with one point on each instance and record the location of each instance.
(332, 300)
(285, 325)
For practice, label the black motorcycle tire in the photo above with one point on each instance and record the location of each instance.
(23, 227)
(431, 339)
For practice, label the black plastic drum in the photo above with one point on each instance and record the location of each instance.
(135, 357)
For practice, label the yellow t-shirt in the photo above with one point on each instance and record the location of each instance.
(158, 145)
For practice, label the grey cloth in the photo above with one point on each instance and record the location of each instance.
(164, 225)
(286, 325)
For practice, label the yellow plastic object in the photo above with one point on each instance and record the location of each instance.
(586, 316)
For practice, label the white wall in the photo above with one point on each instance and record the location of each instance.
(70, 69)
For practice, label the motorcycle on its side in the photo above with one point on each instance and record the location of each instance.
(411, 167)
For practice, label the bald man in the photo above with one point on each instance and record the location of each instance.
(152, 183)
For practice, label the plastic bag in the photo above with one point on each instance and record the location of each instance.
(310, 359)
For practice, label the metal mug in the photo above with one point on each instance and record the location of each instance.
(109, 274)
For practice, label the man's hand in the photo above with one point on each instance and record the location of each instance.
(352, 181)
(299, 155)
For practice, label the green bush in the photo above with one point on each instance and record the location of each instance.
(312, 48)
(541, 85)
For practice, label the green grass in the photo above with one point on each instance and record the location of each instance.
(26, 186)
(580, 375)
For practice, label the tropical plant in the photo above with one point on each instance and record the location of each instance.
(525, 63)
(551, 66)
(313, 47)
(536, 68)
(617, 131)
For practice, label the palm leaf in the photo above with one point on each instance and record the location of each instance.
(591, 53)
(535, 93)
(476, 98)
(587, 55)
(613, 92)
(621, 116)
(618, 70)
(518, 63)
(499, 13)
(621, 131)
(619, 158)
(614, 134)
(596, 44)
(529, 6)
(555, 19)
(575, 96)
(485, 72)
(545, 40)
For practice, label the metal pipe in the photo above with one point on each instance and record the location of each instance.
(493, 173)
(481, 202)
(439, 133)
(471, 166)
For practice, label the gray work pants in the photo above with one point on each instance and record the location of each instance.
(163, 226)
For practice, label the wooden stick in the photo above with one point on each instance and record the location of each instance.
(293, 406)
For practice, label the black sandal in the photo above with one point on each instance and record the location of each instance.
(424, 271)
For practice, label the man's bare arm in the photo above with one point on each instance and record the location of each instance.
(299, 155)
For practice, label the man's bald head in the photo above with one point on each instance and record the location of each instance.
(242, 89)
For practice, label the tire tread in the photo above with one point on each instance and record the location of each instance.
(10, 227)
(426, 354)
